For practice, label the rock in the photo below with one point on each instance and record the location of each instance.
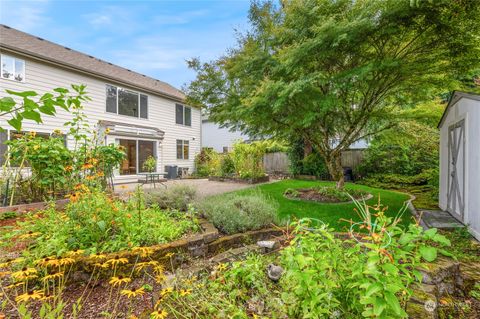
(274, 272)
(419, 311)
(268, 245)
(423, 293)
(440, 270)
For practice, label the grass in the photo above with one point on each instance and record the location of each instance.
(330, 213)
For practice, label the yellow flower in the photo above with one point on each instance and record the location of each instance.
(132, 293)
(68, 168)
(4, 273)
(107, 130)
(185, 292)
(65, 261)
(221, 267)
(117, 260)
(159, 314)
(33, 133)
(75, 252)
(166, 291)
(48, 261)
(143, 251)
(97, 256)
(169, 255)
(30, 234)
(140, 266)
(160, 278)
(87, 166)
(34, 294)
(101, 265)
(24, 273)
(53, 276)
(158, 269)
(14, 285)
(90, 177)
(117, 281)
(100, 174)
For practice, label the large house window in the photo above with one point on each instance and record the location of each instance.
(137, 152)
(12, 68)
(126, 102)
(183, 149)
(183, 115)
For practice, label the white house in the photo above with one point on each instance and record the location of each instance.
(145, 115)
(220, 139)
(460, 160)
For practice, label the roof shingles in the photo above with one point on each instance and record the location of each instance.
(31, 45)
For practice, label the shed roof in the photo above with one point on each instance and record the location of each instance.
(457, 96)
(30, 45)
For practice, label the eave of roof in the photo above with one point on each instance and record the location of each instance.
(24, 44)
(457, 96)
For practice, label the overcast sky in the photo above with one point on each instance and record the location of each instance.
(152, 37)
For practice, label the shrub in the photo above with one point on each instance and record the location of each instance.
(227, 167)
(207, 163)
(177, 197)
(315, 165)
(233, 213)
(248, 159)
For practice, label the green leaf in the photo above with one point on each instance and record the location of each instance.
(32, 115)
(15, 123)
(430, 233)
(61, 90)
(22, 94)
(6, 104)
(392, 301)
(428, 253)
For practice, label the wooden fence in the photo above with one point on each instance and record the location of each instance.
(279, 163)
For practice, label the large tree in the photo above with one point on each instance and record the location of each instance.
(330, 71)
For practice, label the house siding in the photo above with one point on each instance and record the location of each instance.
(43, 77)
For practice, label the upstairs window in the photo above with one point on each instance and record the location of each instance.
(183, 115)
(12, 68)
(126, 102)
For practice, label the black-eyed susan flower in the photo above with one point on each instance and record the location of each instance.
(118, 280)
(4, 273)
(30, 234)
(117, 261)
(75, 252)
(132, 293)
(141, 266)
(54, 276)
(166, 291)
(185, 292)
(143, 251)
(24, 273)
(31, 295)
(159, 314)
(221, 267)
(169, 255)
(97, 256)
(160, 278)
(65, 261)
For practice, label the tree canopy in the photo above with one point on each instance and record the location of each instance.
(331, 71)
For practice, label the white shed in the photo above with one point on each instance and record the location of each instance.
(460, 160)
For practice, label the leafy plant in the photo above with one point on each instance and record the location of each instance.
(248, 159)
(94, 222)
(150, 164)
(176, 197)
(235, 213)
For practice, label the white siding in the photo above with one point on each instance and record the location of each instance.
(469, 110)
(217, 137)
(42, 77)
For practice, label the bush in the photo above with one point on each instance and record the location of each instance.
(177, 197)
(248, 159)
(227, 167)
(233, 213)
(207, 163)
(312, 164)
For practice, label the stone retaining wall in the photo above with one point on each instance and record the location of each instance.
(256, 180)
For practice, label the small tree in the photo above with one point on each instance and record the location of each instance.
(330, 72)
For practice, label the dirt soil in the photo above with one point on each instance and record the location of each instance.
(312, 195)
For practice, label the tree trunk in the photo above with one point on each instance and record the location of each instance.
(334, 165)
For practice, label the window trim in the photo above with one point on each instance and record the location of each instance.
(139, 94)
(183, 113)
(14, 68)
(183, 149)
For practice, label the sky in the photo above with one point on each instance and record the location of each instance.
(153, 37)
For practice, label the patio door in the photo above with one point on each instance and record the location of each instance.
(137, 152)
(456, 170)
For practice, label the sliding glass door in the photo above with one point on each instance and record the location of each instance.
(137, 152)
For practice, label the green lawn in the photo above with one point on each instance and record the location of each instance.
(328, 213)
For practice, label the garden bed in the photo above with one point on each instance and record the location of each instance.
(255, 180)
(327, 194)
(22, 208)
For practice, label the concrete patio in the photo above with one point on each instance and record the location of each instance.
(204, 187)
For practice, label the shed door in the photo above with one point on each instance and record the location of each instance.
(456, 170)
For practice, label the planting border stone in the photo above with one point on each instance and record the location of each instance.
(256, 180)
(207, 243)
(23, 208)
